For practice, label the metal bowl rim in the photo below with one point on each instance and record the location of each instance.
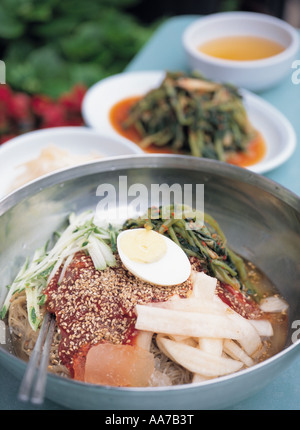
(136, 161)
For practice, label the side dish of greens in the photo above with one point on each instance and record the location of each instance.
(192, 114)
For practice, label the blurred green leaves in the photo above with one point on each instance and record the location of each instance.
(50, 45)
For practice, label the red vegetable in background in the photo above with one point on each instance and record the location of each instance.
(20, 112)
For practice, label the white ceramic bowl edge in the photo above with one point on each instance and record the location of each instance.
(252, 75)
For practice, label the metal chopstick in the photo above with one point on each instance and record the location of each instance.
(38, 363)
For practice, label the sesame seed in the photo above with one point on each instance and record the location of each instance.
(94, 306)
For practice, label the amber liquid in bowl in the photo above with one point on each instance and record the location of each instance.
(241, 48)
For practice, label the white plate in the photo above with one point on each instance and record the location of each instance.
(276, 130)
(76, 140)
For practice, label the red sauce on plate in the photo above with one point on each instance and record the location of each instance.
(255, 152)
(119, 113)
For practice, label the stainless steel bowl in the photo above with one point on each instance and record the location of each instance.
(260, 218)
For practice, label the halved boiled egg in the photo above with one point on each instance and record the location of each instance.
(153, 257)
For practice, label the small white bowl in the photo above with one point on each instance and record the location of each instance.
(254, 75)
(78, 141)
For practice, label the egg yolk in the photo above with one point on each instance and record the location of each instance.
(143, 246)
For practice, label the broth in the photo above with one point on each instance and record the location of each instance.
(241, 48)
(278, 320)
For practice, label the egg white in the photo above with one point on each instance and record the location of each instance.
(173, 268)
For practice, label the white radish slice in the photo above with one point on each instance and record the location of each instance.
(194, 304)
(204, 286)
(213, 346)
(235, 351)
(197, 361)
(173, 322)
(143, 340)
(263, 327)
(273, 304)
(249, 338)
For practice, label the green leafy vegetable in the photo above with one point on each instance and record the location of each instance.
(193, 116)
(49, 46)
